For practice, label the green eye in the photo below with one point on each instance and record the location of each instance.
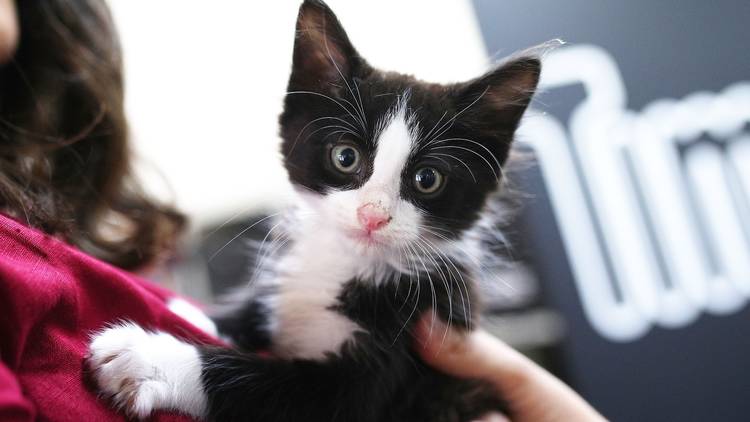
(428, 180)
(345, 158)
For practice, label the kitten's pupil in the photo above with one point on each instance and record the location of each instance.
(427, 180)
(345, 158)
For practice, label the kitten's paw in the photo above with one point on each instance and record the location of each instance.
(124, 369)
(142, 371)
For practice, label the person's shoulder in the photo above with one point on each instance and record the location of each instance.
(30, 260)
(43, 279)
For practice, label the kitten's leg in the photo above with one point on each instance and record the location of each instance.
(145, 371)
(248, 387)
(142, 371)
(247, 325)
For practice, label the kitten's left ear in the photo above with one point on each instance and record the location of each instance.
(323, 55)
(496, 101)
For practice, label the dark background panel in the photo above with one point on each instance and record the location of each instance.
(665, 49)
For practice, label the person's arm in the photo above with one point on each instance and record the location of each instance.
(532, 394)
(14, 407)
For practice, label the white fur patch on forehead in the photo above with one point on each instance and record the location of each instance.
(394, 145)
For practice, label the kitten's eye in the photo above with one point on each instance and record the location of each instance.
(345, 158)
(428, 180)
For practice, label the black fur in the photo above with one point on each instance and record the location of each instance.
(377, 376)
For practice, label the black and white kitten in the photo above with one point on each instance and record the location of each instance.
(394, 177)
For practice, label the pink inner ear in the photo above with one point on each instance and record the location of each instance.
(515, 91)
(319, 47)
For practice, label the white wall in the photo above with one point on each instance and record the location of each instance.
(205, 81)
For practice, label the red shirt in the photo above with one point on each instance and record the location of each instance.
(52, 297)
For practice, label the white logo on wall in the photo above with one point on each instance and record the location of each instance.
(656, 226)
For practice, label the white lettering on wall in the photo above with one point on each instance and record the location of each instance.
(674, 227)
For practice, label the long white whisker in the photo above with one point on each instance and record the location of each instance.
(356, 118)
(475, 260)
(432, 286)
(470, 141)
(263, 254)
(492, 169)
(276, 245)
(427, 136)
(443, 128)
(240, 234)
(302, 131)
(416, 300)
(448, 290)
(436, 154)
(228, 221)
(465, 303)
(456, 271)
(408, 293)
(361, 110)
(359, 96)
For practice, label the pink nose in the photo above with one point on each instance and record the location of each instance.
(372, 217)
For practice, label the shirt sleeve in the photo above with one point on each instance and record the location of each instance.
(14, 407)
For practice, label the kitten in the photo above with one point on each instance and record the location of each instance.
(394, 176)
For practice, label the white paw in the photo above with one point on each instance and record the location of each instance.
(142, 371)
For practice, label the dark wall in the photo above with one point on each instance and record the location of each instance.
(664, 49)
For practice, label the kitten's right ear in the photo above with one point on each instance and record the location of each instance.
(323, 55)
(496, 101)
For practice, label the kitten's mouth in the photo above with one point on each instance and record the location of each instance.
(368, 239)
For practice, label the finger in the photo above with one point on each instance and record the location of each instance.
(493, 417)
(518, 380)
(469, 355)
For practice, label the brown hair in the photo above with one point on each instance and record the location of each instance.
(64, 157)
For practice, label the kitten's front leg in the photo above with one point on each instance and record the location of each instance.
(143, 371)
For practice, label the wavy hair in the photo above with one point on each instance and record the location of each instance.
(64, 156)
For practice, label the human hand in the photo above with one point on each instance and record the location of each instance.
(532, 393)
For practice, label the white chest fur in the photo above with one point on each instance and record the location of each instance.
(310, 278)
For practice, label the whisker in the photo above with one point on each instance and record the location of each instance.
(356, 118)
(432, 286)
(302, 131)
(361, 110)
(440, 141)
(359, 96)
(416, 301)
(240, 234)
(443, 128)
(228, 221)
(434, 154)
(492, 169)
(427, 136)
(449, 291)
(265, 254)
(443, 256)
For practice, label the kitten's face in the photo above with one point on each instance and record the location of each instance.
(386, 160)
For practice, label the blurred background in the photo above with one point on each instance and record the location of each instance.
(631, 270)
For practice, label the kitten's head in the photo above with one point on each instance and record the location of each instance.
(387, 159)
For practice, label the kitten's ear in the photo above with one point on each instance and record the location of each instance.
(496, 101)
(323, 56)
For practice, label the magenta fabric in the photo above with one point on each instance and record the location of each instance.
(52, 297)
